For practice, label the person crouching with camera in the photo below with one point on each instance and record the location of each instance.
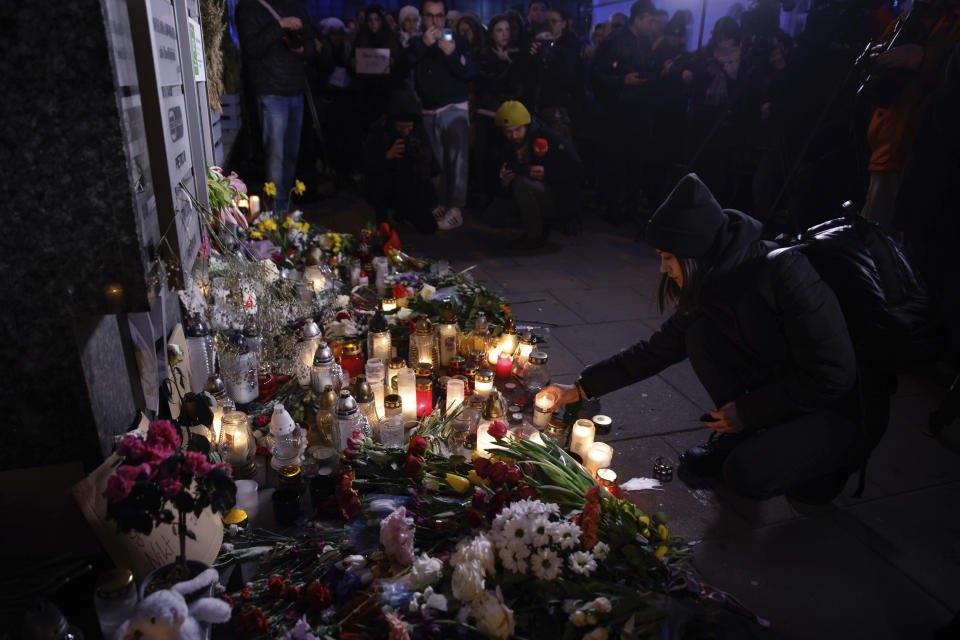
(540, 177)
(398, 165)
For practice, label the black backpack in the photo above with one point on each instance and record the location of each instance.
(890, 316)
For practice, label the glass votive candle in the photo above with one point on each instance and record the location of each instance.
(470, 371)
(493, 355)
(484, 383)
(504, 365)
(543, 408)
(455, 393)
(608, 480)
(455, 366)
(391, 431)
(424, 396)
(602, 423)
(599, 456)
(388, 304)
(581, 437)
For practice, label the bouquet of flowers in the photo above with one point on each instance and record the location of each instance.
(225, 193)
(156, 483)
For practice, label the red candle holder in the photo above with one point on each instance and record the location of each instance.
(504, 366)
(424, 396)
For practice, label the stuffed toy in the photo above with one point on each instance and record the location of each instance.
(164, 615)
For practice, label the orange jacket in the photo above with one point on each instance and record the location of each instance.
(892, 130)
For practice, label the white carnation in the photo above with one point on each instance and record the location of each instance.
(425, 572)
(467, 581)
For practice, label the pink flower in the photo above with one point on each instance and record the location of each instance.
(196, 463)
(396, 536)
(162, 433)
(170, 487)
(133, 472)
(118, 488)
(132, 448)
(397, 630)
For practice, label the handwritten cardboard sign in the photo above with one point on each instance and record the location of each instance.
(135, 551)
(373, 61)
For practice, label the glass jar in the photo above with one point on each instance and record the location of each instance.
(536, 375)
(470, 373)
(423, 345)
(366, 401)
(392, 406)
(349, 418)
(391, 431)
(424, 396)
(200, 348)
(448, 334)
(483, 383)
(239, 369)
(456, 365)
(325, 370)
(351, 359)
(378, 337)
(326, 432)
(114, 599)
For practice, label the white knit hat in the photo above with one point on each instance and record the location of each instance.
(407, 12)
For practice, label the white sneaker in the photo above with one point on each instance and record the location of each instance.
(452, 219)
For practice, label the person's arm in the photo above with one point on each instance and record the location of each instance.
(257, 29)
(823, 366)
(647, 358)
(607, 69)
(460, 62)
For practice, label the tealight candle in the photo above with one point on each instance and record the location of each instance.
(581, 437)
(602, 423)
(599, 456)
(455, 390)
(504, 365)
(608, 480)
(543, 408)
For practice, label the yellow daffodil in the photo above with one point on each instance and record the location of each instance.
(267, 225)
(269, 189)
(663, 532)
(645, 533)
(661, 551)
(644, 520)
(299, 188)
(288, 222)
(304, 226)
(256, 235)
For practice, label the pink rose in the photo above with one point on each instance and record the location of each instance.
(170, 487)
(196, 463)
(396, 536)
(132, 473)
(118, 488)
(132, 448)
(163, 434)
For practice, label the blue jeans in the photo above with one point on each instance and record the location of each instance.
(449, 136)
(282, 120)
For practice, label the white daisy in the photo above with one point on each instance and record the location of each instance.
(600, 550)
(540, 531)
(518, 530)
(567, 535)
(582, 562)
(546, 564)
(512, 561)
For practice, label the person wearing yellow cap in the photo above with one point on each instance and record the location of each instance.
(540, 174)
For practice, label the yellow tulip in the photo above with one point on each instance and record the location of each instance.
(458, 483)
(644, 519)
(661, 551)
(663, 532)
(645, 533)
(476, 479)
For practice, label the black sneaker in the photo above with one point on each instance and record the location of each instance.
(706, 460)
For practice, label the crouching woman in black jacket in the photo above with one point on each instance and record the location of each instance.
(781, 371)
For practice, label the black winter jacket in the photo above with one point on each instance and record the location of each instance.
(618, 55)
(804, 352)
(272, 68)
(441, 79)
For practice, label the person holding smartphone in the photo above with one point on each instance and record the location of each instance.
(783, 376)
(443, 64)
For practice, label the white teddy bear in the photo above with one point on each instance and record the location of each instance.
(164, 615)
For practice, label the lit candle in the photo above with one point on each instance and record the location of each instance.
(375, 369)
(493, 356)
(407, 388)
(599, 455)
(526, 348)
(504, 365)
(484, 383)
(388, 304)
(454, 393)
(424, 396)
(376, 385)
(543, 409)
(485, 441)
(581, 437)
(254, 202)
(608, 480)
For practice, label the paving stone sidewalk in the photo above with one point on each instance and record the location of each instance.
(886, 565)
